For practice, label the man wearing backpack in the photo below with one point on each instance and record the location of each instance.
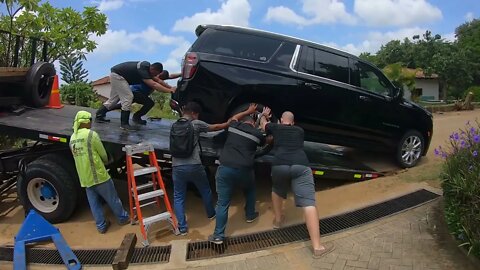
(186, 162)
(236, 170)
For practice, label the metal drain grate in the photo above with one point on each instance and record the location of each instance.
(160, 254)
(262, 240)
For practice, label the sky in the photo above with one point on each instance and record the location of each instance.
(163, 30)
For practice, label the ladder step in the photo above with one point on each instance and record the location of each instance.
(145, 204)
(144, 171)
(150, 220)
(151, 194)
(144, 186)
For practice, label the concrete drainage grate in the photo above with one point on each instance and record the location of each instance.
(160, 254)
(261, 240)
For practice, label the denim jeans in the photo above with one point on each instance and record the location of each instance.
(228, 179)
(194, 173)
(107, 191)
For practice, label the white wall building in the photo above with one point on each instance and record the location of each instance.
(426, 87)
(102, 87)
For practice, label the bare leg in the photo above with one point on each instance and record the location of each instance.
(277, 202)
(313, 226)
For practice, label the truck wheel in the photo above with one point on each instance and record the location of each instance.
(38, 84)
(410, 149)
(66, 161)
(48, 188)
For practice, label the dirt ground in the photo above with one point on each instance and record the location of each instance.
(333, 197)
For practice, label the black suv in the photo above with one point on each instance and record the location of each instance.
(335, 96)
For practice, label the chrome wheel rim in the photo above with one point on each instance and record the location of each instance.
(411, 150)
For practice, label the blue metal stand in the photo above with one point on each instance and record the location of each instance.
(36, 229)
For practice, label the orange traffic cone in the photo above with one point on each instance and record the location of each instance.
(55, 102)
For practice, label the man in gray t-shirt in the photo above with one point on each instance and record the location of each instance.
(191, 169)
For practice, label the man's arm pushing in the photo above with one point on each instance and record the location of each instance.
(251, 109)
(159, 87)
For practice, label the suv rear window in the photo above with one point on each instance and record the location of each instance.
(237, 45)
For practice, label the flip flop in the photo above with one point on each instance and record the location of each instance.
(328, 247)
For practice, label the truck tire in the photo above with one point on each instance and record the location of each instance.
(38, 84)
(49, 189)
(410, 149)
(65, 160)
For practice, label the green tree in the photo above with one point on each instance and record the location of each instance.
(400, 76)
(455, 69)
(395, 51)
(67, 30)
(468, 39)
(368, 57)
(72, 70)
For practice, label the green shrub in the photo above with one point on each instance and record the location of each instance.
(78, 93)
(476, 92)
(461, 186)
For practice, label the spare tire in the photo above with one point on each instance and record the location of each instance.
(38, 84)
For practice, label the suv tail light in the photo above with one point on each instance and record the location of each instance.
(189, 65)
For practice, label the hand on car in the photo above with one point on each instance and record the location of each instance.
(173, 89)
(252, 108)
(267, 112)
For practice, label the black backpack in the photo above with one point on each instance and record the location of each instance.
(182, 139)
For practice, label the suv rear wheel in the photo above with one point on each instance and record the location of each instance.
(410, 149)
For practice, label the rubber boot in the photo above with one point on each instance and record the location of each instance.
(100, 115)
(137, 119)
(124, 121)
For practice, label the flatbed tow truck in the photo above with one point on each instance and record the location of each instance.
(45, 175)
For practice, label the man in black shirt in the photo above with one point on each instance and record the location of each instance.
(121, 77)
(290, 167)
(236, 169)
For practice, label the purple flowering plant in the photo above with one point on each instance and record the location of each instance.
(461, 185)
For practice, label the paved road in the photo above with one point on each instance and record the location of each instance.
(414, 240)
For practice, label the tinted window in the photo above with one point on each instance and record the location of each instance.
(307, 61)
(324, 64)
(237, 45)
(373, 80)
(332, 66)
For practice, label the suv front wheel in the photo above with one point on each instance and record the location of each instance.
(410, 149)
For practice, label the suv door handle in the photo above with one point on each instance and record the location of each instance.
(313, 86)
(364, 98)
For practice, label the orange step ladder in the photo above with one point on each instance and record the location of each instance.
(151, 192)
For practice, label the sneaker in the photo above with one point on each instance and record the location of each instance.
(124, 222)
(217, 240)
(327, 248)
(105, 229)
(212, 217)
(252, 219)
(183, 232)
(278, 225)
(139, 121)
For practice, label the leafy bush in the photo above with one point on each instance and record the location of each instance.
(7, 142)
(461, 186)
(78, 93)
(476, 92)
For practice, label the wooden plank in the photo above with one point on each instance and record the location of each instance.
(125, 252)
(13, 72)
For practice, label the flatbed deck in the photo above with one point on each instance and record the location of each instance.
(56, 125)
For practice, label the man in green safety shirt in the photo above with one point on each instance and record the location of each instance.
(90, 157)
